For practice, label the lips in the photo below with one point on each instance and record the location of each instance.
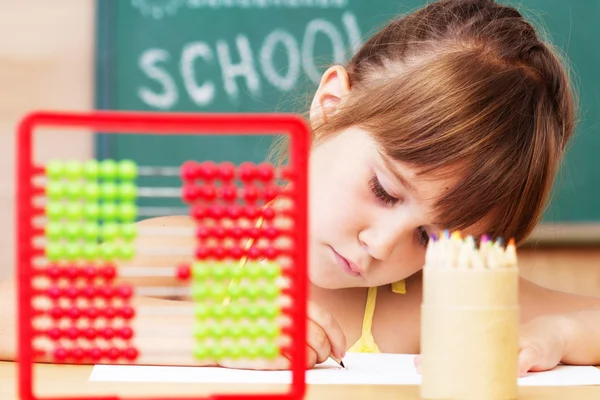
(347, 266)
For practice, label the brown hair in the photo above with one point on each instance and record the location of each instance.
(466, 84)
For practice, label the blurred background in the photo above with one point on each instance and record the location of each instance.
(257, 55)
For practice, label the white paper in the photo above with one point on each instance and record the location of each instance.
(362, 369)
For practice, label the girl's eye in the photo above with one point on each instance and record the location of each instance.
(422, 236)
(380, 192)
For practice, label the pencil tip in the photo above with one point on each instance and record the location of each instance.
(342, 364)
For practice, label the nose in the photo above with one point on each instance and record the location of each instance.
(382, 238)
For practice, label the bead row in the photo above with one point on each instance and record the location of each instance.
(74, 312)
(125, 170)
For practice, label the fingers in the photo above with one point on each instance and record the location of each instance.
(318, 341)
(530, 359)
(417, 362)
(336, 340)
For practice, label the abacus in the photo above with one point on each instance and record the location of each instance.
(77, 236)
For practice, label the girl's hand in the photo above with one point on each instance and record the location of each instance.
(542, 344)
(324, 338)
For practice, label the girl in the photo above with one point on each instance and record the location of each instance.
(453, 117)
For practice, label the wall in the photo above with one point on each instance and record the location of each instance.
(46, 61)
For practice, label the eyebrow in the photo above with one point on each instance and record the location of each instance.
(407, 185)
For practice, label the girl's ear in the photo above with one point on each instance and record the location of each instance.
(333, 87)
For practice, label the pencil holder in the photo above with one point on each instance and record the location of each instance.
(469, 321)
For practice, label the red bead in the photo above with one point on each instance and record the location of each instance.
(236, 252)
(271, 252)
(202, 253)
(247, 171)
(106, 291)
(251, 212)
(208, 192)
(88, 292)
(60, 354)
(219, 232)
(92, 312)
(270, 232)
(72, 292)
(202, 232)
(125, 291)
(109, 272)
(237, 232)
(226, 171)
(228, 192)
(78, 353)
(268, 213)
(190, 193)
(234, 212)
(254, 233)
(74, 312)
(270, 192)
(183, 272)
(216, 211)
(130, 353)
(251, 194)
(72, 273)
(54, 333)
(72, 333)
(113, 353)
(126, 332)
(53, 272)
(208, 170)
(127, 312)
(219, 252)
(90, 333)
(109, 312)
(90, 272)
(254, 253)
(287, 173)
(108, 333)
(265, 172)
(56, 312)
(189, 170)
(53, 292)
(198, 212)
(95, 353)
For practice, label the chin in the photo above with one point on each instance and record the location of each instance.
(326, 281)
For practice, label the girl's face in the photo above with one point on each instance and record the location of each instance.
(370, 218)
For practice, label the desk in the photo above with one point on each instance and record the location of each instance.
(73, 379)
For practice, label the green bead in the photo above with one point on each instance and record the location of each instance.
(73, 251)
(128, 231)
(200, 293)
(252, 311)
(108, 211)
(269, 351)
(218, 311)
(109, 231)
(201, 352)
(90, 231)
(72, 231)
(216, 351)
(252, 351)
(127, 191)
(90, 251)
(55, 190)
(108, 251)
(54, 230)
(200, 271)
(90, 191)
(217, 292)
(235, 311)
(269, 331)
(220, 271)
(91, 211)
(108, 191)
(270, 292)
(268, 310)
(250, 291)
(217, 331)
(73, 190)
(108, 170)
(202, 311)
(55, 169)
(234, 351)
(127, 170)
(55, 251)
(270, 271)
(253, 271)
(235, 331)
(74, 211)
(200, 331)
(127, 212)
(73, 170)
(235, 292)
(235, 272)
(55, 211)
(125, 251)
(90, 170)
(251, 330)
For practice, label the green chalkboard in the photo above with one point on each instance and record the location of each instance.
(267, 55)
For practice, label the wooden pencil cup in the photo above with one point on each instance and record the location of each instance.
(469, 333)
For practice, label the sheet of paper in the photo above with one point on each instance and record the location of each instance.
(362, 369)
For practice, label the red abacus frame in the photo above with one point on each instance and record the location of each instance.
(162, 124)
